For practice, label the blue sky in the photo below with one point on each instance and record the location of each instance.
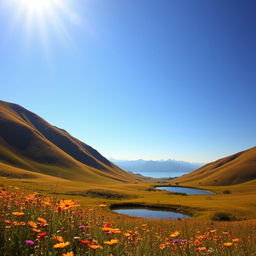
(137, 79)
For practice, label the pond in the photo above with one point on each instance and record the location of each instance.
(186, 190)
(151, 213)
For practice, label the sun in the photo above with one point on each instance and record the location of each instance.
(38, 6)
(42, 21)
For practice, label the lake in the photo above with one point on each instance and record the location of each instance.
(186, 190)
(151, 213)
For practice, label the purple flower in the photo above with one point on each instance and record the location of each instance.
(82, 227)
(175, 240)
(30, 242)
(184, 241)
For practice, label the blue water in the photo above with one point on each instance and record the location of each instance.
(155, 214)
(188, 191)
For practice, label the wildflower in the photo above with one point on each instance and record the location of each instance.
(213, 230)
(42, 222)
(40, 235)
(175, 234)
(184, 240)
(162, 246)
(95, 247)
(76, 237)
(36, 230)
(18, 213)
(107, 225)
(228, 244)
(68, 254)
(85, 242)
(32, 224)
(111, 242)
(29, 242)
(175, 240)
(66, 204)
(197, 242)
(102, 205)
(82, 227)
(235, 240)
(7, 221)
(58, 238)
(127, 234)
(61, 245)
(200, 249)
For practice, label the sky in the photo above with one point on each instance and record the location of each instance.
(147, 79)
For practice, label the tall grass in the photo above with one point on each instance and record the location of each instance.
(31, 224)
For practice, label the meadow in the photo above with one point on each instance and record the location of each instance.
(35, 224)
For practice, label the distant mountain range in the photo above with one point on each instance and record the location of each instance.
(161, 168)
(30, 147)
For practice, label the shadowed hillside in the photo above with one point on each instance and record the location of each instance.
(29, 143)
(234, 169)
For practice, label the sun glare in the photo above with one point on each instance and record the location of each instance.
(43, 20)
(38, 5)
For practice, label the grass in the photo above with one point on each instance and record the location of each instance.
(31, 224)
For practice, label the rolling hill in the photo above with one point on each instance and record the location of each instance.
(231, 170)
(30, 147)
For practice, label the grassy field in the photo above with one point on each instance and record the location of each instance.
(32, 224)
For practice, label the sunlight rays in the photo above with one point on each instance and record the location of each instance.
(43, 21)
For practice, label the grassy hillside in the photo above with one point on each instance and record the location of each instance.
(30, 146)
(234, 169)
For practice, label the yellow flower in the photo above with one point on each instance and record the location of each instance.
(68, 254)
(62, 245)
(111, 242)
(175, 234)
(18, 213)
(127, 234)
(213, 230)
(228, 244)
(162, 246)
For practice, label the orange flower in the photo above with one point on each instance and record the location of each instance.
(162, 246)
(228, 244)
(197, 242)
(235, 240)
(36, 230)
(111, 230)
(7, 221)
(67, 204)
(68, 254)
(18, 213)
(200, 249)
(61, 245)
(95, 247)
(32, 224)
(42, 221)
(102, 205)
(213, 230)
(58, 238)
(111, 242)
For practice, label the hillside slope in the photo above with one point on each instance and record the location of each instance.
(30, 143)
(234, 169)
